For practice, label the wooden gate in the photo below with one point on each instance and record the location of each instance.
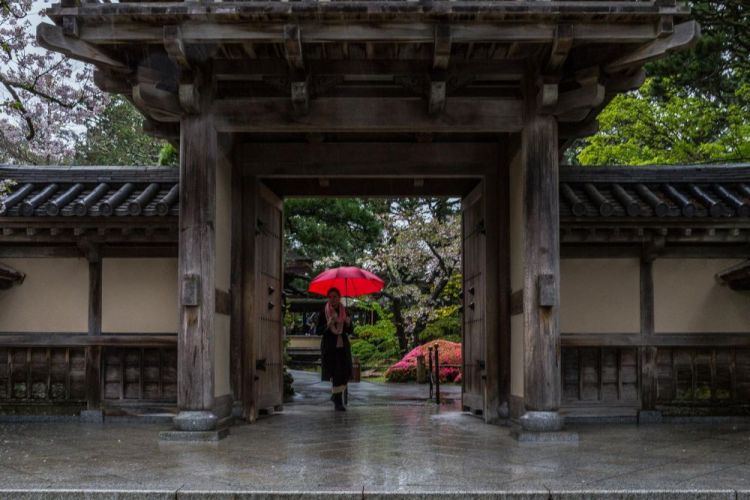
(473, 242)
(269, 367)
(262, 282)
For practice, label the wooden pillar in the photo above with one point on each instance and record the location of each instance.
(541, 292)
(196, 269)
(93, 353)
(648, 352)
(236, 292)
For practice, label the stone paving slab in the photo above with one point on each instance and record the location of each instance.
(411, 449)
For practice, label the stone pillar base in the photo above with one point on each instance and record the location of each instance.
(542, 427)
(650, 417)
(200, 425)
(195, 421)
(541, 421)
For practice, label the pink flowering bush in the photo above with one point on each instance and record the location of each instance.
(450, 361)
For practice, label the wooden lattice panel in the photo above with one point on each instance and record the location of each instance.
(41, 374)
(703, 375)
(600, 374)
(140, 374)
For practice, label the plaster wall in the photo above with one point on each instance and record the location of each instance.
(139, 295)
(53, 297)
(600, 295)
(516, 271)
(688, 299)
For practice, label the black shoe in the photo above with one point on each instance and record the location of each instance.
(338, 402)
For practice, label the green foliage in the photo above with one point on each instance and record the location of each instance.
(115, 137)
(169, 156)
(446, 327)
(695, 105)
(670, 127)
(719, 64)
(376, 345)
(332, 232)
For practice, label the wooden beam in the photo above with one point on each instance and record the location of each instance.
(584, 98)
(293, 47)
(401, 32)
(65, 339)
(561, 46)
(106, 81)
(368, 115)
(52, 38)
(441, 47)
(251, 69)
(175, 46)
(197, 255)
(158, 104)
(685, 36)
(456, 159)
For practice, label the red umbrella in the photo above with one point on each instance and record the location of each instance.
(351, 282)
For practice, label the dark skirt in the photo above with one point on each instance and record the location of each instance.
(336, 362)
(337, 365)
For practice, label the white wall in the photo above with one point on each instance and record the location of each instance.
(53, 298)
(139, 295)
(687, 298)
(600, 296)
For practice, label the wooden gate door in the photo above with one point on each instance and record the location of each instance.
(268, 332)
(474, 275)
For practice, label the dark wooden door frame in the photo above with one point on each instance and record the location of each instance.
(294, 170)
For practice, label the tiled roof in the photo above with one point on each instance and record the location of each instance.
(719, 191)
(91, 191)
(716, 191)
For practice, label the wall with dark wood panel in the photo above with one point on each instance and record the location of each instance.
(33, 375)
(139, 295)
(688, 299)
(52, 298)
(136, 374)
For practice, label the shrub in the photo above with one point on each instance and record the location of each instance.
(449, 354)
(446, 327)
(375, 344)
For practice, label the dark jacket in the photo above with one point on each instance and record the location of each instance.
(336, 362)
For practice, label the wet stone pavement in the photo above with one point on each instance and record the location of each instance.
(389, 444)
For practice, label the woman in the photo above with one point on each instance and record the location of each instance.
(335, 325)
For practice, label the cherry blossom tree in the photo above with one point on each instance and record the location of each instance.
(45, 98)
(420, 257)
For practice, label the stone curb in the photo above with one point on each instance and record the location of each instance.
(72, 494)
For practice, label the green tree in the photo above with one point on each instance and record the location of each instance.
(115, 137)
(420, 260)
(670, 127)
(695, 106)
(332, 231)
(719, 65)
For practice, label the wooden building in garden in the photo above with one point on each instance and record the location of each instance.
(270, 99)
